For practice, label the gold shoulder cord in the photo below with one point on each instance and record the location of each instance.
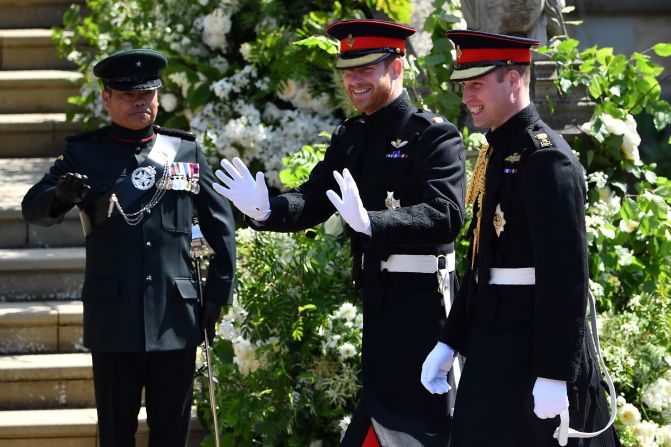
(476, 191)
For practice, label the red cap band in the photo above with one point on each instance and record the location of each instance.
(468, 55)
(370, 42)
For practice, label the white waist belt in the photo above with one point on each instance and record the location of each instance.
(417, 263)
(512, 277)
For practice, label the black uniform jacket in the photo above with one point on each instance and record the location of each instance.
(512, 334)
(139, 291)
(419, 158)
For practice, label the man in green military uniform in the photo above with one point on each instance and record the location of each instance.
(519, 316)
(399, 173)
(137, 187)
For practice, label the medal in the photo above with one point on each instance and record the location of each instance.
(144, 177)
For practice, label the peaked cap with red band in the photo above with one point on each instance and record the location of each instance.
(480, 53)
(367, 42)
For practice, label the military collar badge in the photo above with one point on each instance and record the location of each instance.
(390, 202)
(499, 220)
(438, 119)
(544, 140)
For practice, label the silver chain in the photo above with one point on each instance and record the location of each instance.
(137, 216)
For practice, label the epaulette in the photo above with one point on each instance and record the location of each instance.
(539, 137)
(84, 136)
(429, 117)
(183, 134)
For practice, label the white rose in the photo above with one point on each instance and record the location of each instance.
(334, 225)
(346, 350)
(611, 200)
(302, 99)
(246, 51)
(645, 431)
(168, 102)
(628, 226)
(215, 27)
(347, 311)
(629, 415)
(627, 128)
(289, 89)
(664, 436)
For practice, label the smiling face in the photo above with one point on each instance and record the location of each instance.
(133, 110)
(372, 87)
(493, 99)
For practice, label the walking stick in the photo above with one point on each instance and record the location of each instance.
(197, 253)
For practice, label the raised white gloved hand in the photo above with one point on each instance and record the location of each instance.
(350, 207)
(248, 195)
(550, 397)
(435, 368)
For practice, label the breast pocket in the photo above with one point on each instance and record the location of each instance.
(176, 210)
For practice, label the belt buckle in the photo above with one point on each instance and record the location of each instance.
(444, 258)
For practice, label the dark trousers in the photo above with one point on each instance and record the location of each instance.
(167, 378)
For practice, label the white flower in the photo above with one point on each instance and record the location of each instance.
(344, 423)
(245, 356)
(334, 225)
(317, 443)
(215, 27)
(627, 128)
(628, 226)
(302, 99)
(182, 82)
(596, 289)
(664, 436)
(347, 350)
(645, 432)
(657, 395)
(168, 102)
(246, 51)
(203, 2)
(611, 200)
(289, 89)
(629, 415)
(347, 311)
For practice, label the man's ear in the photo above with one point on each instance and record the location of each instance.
(514, 78)
(397, 67)
(106, 97)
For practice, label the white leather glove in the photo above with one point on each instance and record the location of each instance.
(550, 397)
(350, 207)
(435, 368)
(248, 195)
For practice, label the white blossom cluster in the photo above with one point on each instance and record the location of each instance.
(299, 96)
(250, 133)
(626, 128)
(648, 433)
(341, 332)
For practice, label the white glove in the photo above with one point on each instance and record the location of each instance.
(550, 397)
(248, 195)
(350, 207)
(435, 368)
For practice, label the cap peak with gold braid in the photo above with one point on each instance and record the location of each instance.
(368, 41)
(480, 53)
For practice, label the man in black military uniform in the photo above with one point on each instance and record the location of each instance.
(137, 187)
(519, 316)
(400, 174)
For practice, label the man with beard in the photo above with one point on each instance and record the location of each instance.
(400, 174)
(137, 186)
(519, 316)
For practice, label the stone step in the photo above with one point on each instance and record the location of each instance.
(34, 134)
(33, 13)
(34, 274)
(35, 91)
(29, 49)
(70, 428)
(18, 175)
(41, 381)
(40, 327)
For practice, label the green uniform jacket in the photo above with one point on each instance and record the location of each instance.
(139, 291)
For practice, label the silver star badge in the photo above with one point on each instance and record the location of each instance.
(499, 220)
(390, 202)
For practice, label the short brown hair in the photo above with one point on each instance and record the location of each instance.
(523, 70)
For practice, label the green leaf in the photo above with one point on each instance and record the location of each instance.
(662, 49)
(199, 96)
(650, 176)
(565, 84)
(608, 231)
(321, 42)
(567, 45)
(603, 55)
(568, 9)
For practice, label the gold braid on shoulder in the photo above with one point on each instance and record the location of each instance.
(476, 192)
